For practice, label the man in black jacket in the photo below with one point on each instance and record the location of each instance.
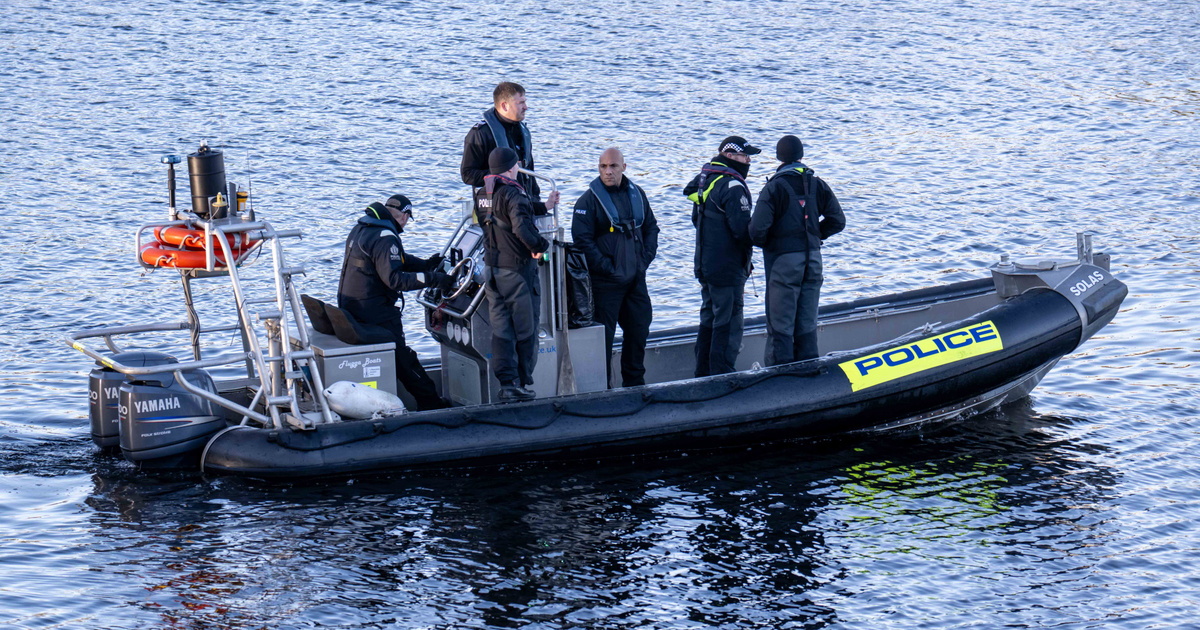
(512, 246)
(503, 126)
(375, 272)
(615, 228)
(796, 211)
(721, 214)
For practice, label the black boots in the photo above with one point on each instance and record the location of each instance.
(513, 391)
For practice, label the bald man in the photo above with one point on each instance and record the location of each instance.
(615, 228)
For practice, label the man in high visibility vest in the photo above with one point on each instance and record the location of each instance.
(721, 214)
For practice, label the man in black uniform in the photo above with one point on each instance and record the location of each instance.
(513, 246)
(375, 272)
(503, 126)
(721, 214)
(795, 212)
(615, 228)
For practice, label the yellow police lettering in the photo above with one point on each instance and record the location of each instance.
(922, 355)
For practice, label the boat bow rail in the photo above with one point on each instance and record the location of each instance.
(1086, 282)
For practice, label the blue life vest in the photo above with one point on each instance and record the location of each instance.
(501, 137)
(606, 202)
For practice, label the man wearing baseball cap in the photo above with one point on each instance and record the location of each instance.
(721, 214)
(375, 273)
(796, 212)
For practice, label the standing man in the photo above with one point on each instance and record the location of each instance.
(375, 273)
(615, 228)
(513, 246)
(796, 211)
(721, 214)
(503, 126)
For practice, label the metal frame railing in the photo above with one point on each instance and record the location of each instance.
(280, 371)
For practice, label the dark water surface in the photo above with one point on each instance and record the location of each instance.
(952, 131)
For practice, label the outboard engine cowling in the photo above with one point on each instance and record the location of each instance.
(103, 394)
(162, 424)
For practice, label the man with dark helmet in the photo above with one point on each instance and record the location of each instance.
(503, 126)
(615, 229)
(512, 245)
(376, 272)
(721, 214)
(795, 212)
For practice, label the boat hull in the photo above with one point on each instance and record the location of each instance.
(927, 376)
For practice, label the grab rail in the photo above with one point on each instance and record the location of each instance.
(553, 188)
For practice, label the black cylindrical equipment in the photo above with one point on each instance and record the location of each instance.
(103, 395)
(206, 172)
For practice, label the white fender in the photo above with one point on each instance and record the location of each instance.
(352, 400)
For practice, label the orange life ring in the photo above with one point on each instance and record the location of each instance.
(157, 254)
(180, 236)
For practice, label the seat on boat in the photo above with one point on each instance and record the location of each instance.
(316, 314)
(354, 332)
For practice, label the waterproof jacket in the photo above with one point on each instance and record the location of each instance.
(510, 234)
(376, 270)
(615, 254)
(721, 214)
(478, 145)
(796, 210)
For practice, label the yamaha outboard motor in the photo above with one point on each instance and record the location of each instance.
(103, 386)
(206, 174)
(162, 424)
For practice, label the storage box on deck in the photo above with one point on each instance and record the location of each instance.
(370, 364)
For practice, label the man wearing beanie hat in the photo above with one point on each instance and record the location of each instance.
(795, 212)
(375, 272)
(512, 246)
(721, 214)
(503, 126)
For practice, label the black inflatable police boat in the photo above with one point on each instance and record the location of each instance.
(920, 356)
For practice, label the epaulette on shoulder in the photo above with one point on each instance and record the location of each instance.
(482, 123)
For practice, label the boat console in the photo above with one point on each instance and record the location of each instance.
(460, 323)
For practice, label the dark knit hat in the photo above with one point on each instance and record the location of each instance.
(501, 159)
(789, 149)
(399, 203)
(738, 144)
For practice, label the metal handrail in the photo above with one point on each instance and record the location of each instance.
(73, 341)
(553, 188)
(218, 400)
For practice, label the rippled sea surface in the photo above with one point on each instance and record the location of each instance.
(952, 132)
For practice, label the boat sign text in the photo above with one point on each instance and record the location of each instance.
(922, 355)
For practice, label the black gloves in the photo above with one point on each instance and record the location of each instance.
(443, 282)
(435, 261)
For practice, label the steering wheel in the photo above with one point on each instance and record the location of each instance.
(462, 277)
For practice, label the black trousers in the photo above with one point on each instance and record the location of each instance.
(514, 308)
(719, 340)
(793, 290)
(409, 371)
(627, 306)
